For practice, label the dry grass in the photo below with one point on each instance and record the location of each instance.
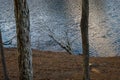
(62, 66)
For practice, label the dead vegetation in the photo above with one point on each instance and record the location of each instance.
(49, 65)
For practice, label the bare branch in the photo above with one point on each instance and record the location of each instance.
(8, 42)
(61, 44)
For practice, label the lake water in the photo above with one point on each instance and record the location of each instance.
(59, 16)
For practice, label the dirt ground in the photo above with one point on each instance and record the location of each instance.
(49, 65)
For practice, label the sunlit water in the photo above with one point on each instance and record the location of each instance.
(104, 30)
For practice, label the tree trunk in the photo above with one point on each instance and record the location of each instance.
(85, 39)
(3, 58)
(23, 39)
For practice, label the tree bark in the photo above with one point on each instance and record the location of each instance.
(3, 58)
(23, 39)
(85, 38)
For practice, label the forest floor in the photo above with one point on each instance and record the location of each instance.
(49, 65)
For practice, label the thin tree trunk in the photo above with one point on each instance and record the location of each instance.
(85, 38)
(3, 58)
(23, 39)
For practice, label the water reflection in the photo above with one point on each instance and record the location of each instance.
(58, 14)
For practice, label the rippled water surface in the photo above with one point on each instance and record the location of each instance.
(59, 15)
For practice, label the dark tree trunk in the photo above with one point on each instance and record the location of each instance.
(23, 39)
(3, 58)
(85, 38)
